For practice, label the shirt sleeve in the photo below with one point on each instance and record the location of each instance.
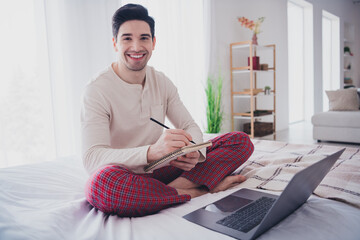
(180, 117)
(96, 146)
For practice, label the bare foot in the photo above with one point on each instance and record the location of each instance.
(184, 186)
(193, 192)
(228, 182)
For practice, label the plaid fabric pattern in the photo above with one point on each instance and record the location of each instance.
(116, 190)
(228, 152)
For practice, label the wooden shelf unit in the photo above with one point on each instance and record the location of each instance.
(253, 50)
(348, 60)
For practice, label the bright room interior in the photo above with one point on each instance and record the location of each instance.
(293, 87)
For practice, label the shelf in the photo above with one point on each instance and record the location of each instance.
(253, 90)
(246, 46)
(249, 117)
(348, 40)
(238, 70)
(248, 95)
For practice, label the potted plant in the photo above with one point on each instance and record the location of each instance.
(214, 113)
(267, 90)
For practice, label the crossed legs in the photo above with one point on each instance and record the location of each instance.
(116, 190)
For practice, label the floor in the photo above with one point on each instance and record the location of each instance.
(301, 133)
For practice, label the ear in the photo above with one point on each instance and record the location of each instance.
(154, 42)
(114, 45)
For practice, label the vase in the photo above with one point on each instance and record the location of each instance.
(254, 39)
(255, 62)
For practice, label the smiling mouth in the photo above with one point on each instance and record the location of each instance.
(136, 56)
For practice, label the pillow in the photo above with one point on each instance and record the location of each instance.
(343, 100)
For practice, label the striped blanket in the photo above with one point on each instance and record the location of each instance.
(274, 163)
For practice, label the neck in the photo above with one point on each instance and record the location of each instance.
(129, 76)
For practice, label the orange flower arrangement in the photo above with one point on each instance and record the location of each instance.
(250, 24)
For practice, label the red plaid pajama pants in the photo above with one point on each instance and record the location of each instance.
(116, 190)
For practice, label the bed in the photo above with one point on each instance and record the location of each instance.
(46, 200)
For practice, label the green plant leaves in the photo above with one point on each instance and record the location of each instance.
(214, 113)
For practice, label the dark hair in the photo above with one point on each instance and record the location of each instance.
(131, 12)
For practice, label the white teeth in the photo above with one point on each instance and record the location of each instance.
(136, 56)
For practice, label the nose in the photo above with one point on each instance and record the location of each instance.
(136, 45)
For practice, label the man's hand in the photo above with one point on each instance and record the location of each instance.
(169, 141)
(186, 162)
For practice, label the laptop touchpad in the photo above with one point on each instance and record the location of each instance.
(227, 204)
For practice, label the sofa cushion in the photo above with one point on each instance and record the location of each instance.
(343, 100)
(350, 119)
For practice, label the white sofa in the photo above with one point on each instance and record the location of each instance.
(338, 126)
(342, 122)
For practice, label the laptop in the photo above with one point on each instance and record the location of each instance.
(246, 214)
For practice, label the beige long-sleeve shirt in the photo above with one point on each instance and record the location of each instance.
(115, 119)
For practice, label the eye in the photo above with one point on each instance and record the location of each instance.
(145, 37)
(126, 39)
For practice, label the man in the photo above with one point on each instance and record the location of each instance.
(119, 139)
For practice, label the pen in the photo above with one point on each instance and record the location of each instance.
(165, 126)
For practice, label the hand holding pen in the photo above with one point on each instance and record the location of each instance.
(169, 141)
(152, 119)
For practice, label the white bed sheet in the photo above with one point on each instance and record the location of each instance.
(46, 201)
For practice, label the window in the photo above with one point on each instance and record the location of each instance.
(330, 55)
(300, 45)
(26, 125)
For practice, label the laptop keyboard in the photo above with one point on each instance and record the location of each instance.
(248, 217)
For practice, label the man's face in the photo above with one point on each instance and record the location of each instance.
(134, 45)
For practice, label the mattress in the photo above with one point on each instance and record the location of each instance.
(46, 201)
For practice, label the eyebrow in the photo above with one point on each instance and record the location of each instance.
(130, 34)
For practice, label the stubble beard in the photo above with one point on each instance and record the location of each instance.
(136, 68)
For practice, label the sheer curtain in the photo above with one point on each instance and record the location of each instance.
(180, 51)
(26, 126)
(49, 50)
(79, 42)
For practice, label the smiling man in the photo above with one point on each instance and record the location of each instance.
(118, 138)
(134, 45)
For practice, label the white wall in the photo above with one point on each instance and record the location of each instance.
(274, 31)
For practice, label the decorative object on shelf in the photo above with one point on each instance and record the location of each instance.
(258, 113)
(255, 62)
(267, 90)
(264, 66)
(254, 26)
(347, 50)
(214, 113)
(348, 80)
(260, 128)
